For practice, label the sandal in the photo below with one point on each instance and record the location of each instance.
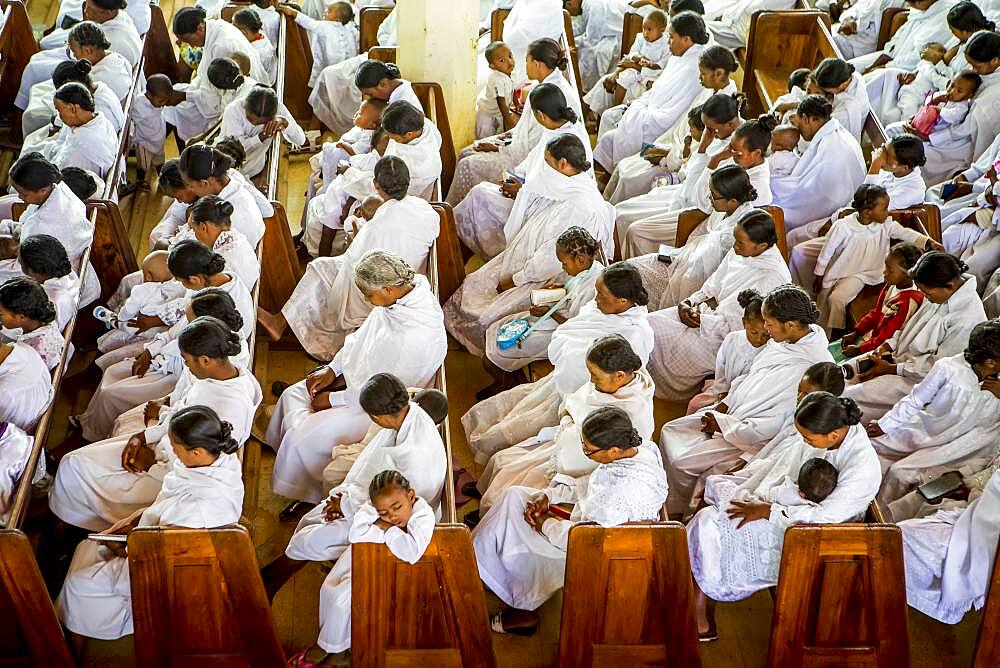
(711, 635)
(294, 511)
(496, 624)
(298, 660)
(470, 490)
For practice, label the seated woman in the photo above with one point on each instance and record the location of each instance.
(216, 38)
(487, 159)
(403, 334)
(87, 138)
(489, 217)
(210, 222)
(503, 285)
(510, 417)
(949, 420)
(202, 489)
(255, 120)
(170, 183)
(736, 545)
(940, 327)
(616, 379)
(208, 171)
(521, 542)
(15, 447)
(327, 303)
(688, 336)
(105, 482)
(195, 107)
(28, 315)
(44, 259)
(25, 385)
(759, 402)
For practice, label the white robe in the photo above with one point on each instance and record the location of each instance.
(406, 339)
(734, 358)
(524, 567)
(63, 292)
(15, 446)
(329, 41)
(96, 598)
(683, 356)
(530, 20)
(633, 81)
(512, 416)
(25, 387)
(731, 29)
(92, 146)
(223, 39)
(202, 106)
(327, 305)
(599, 44)
(920, 28)
(236, 124)
(867, 15)
(982, 126)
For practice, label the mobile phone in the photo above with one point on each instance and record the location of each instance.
(937, 489)
(948, 190)
(107, 538)
(663, 255)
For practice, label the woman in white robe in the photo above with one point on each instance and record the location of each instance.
(521, 544)
(857, 28)
(939, 328)
(566, 196)
(25, 385)
(41, 125)
(137, 10)
(87, 139)
(616, 379)
(255, 120)
(827, 173)
(15, 447)
(327, 304)
(510, 417)
(203, 489)
(731, 29)
(973, 181)
(838, 80)
(217, 39)
(528, 21)
(208, 171)
(949, 419)
(688, 336)
(735, 545)
(925, 22)
(489, 217)
(666, 102)
(487, 159)
(194, 108)
(734, 358)
(758, 403)
(404, 334)
(599, 42)
(43, 258)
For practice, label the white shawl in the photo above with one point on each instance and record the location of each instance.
(201, 497)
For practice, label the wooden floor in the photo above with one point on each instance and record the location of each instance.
(744, 626)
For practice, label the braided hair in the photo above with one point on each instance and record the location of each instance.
(576, 241)
(790, 303)
(386, 480)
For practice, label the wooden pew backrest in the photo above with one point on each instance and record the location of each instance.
(280, 269)
(449, 266)
(197, 597)
(431, 96)
(893, 19)
(496, 24)
(432, 613)
(841, 597)
(159, 57)
(628, 599)
(30, 634)
(18, 45)
(631, 29)
(988, 640)
(778, 215)
(371, 19)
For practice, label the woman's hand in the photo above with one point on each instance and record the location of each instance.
(273, 127)
(873, 430)
(152, 411)
(905, 78)
(485, 147)
(320, 402)
(144, 322)
(707, 137)
(538, 311)
(346, 148)
(724, 154)
(709, 425)
(689, 315)
(320, 380)
(933, 245)
(506, 283)
(510, 189)
(881, 368)
(878, 159)
(748, 512)
(331, 510)
(142, 363)
(991, 385)
(849, 338)
(537, 511)
(722, 408)
(137, 457)
(848, 27)
(850, 351)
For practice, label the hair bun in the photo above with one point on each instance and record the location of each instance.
(234, 344)
(227, 443)
(962, 267)
(768, 122)
(83, 66)
(852, 414)
(223, 209)
(635, 440)
(216, 264)
(393, 69)
(562, 63)
(745, 297)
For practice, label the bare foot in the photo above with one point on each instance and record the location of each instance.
(273, 323)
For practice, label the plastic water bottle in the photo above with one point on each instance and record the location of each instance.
(106, 315)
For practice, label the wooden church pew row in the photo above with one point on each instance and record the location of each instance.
(31, 634)
(631, 28)
(370, 20)
(690, 219)
(628, 598)
(159, 49)
(988, 639)
(893, 19)
(429, 613)
(18, 45)
(840, 598)
(198, 599)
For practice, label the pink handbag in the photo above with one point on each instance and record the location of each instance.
(927, 115)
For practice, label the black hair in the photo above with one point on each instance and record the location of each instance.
(799, 78)
(548, 99)
(73, 70)
(401, 117)
(88, 33)
(576, 240)
(232, 147)
(817, 479)
(610, 427)
(723, 107)
(984, 342)
(25, 296)
(694, 117)
(393, 176)
(371, 72)
(827, 376)
(821, 412)
(109, 5)
(625, 282)
(187, 20)
(33, 172)
(211, 209)
(217, 303)
(718, 57)
(659, 17)
(613, 353)
(190, 257)
(548, 52)
(867, 195)
(262, 102)
(386, 480)
(492, 48)
(345, 12)
(225, 74)
(759, 226)
(569, 148)
(938, 270)
(434, 403)
(971, 76)
(199, 162)
(170, 174)
(44, 254)
(968, 17)
(80, 181)
(694, 6)
(815, 106)
(756, 132)
(907, 253)
(909, 150)
(751, 301)
(248, 19)
(383, 394)
(790, 303)
(159, 84)
(689, 24)
(832, 72)
(209, 337)
(76, 93)
(733, 182)
(983, 47)
(201, 427)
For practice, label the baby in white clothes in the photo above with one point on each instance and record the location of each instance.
(356, 141)
(495, 104)
(953, 106)
(784, 140)
(816, 480)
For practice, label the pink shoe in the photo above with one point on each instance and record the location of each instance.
(298, 660)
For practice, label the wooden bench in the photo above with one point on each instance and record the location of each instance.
(429, 613)
(840, 598)
(369, 22)
(689, 219)
(628, 598)
(893, 19)
(631, 28)
(17, 44)
(198, 599)
(159, 56)
(988, 639)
